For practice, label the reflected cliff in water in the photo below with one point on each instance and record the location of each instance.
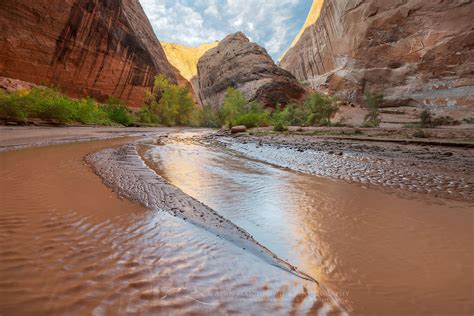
(375, 250)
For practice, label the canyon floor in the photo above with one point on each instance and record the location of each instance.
(320, 224)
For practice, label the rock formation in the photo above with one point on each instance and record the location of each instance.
(238, 63)
(185, 58)
(415, 52)
(97, 48)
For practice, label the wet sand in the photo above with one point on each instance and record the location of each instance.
(381, 253)
(438, 171)
(69, 245)
(15, 137)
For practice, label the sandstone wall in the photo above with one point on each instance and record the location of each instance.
(97, 48)
(238, 63)
(416, 52)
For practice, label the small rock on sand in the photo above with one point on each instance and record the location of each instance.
(238, 129)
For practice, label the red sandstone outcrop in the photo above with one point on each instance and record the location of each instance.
(415, 52)
(238, 63)
(97, 48)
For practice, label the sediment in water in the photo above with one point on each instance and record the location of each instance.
(123, 170)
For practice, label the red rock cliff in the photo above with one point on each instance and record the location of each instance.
(415, 52)
(97, 48)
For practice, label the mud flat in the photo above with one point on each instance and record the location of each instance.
(15, 137)
(430, 167)
(70, 245)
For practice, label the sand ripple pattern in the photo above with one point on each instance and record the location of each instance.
(62, 254)
(402, 173)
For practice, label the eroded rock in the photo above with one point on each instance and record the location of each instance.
(417, 53)
(92, 48)
(237, 62)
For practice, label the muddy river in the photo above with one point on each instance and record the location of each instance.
(209, 231)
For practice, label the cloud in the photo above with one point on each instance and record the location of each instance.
(271, 23)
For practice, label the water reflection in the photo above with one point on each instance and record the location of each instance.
(375, 250)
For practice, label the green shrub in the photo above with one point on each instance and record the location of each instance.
(469, 120)
(168, 104)
(253, 115)
(50, 105)
(321, 109)
(427, 120)
(232, 107)
(419, 133)
(279, 127)
(373, 102)
(118, 112)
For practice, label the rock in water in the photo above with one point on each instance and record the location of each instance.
(238, 63)
(97, 48)
(415, 52)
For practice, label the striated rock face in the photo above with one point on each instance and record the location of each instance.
(247, 67)
(97, 48)
(312, 17)
(415, 52)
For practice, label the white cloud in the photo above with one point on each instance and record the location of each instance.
(270, 23)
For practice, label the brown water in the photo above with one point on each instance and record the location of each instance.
(379, 253)
(68, 245)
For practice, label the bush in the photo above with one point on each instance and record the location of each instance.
(419, 133)
(373, 101)
(321, 109)
(428, 121)
(168, 104)
(279, 127)
(232, 107)
(253, 115)
(469, 120)
(50, 105)
(206, 117)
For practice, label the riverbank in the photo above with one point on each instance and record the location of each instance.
(439, 167)
(16, 137)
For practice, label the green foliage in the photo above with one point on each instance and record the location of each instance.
(469, 120)
(118, 112)
(168, 104)
(279, 127)
(233, 107)
(253, 115)
(291, 115)
(236, 111)
(321, 108)
(419, 133)
(316, 110)
(427, 120)
(89, 112)
(373, 102)
(50, 105)
(206, 117)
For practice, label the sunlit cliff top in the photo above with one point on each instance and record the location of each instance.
(185, 58)
(313, 16)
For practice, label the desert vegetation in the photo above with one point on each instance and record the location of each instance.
(49, 104)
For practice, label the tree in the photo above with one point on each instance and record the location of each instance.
(234, 102)
(322, 108)
(373, 101)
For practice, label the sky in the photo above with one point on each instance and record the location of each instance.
(272, 24)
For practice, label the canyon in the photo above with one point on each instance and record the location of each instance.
(416, 53)
(83, 47)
